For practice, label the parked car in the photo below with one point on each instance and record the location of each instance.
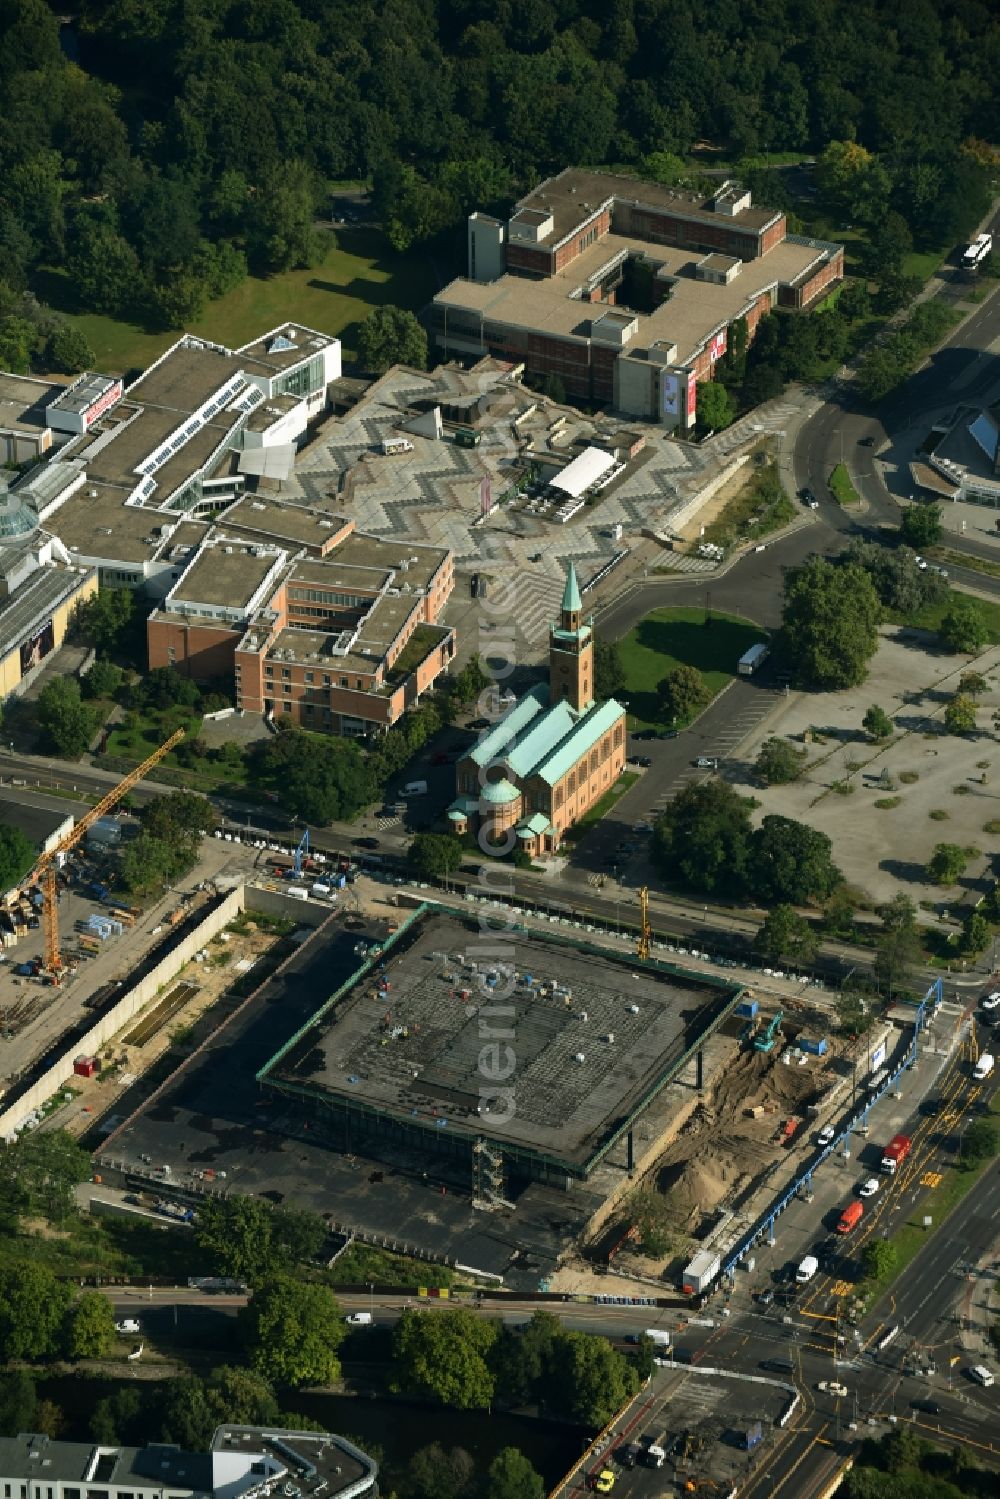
(825, 1135)
(645, 761)
(991, 1001)
(921, 562)
(928, 1407)
(604, 1482)
(870, 1187)
(706, 762)
(832, 1387)
(365, 843)
(866, 442)
(808, 498)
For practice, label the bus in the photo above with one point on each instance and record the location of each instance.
(977, 252)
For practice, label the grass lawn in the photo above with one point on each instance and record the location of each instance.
(672, 637)
(930, 617)
(841, 487)
(604, 803)
(922, 263)
(359, 271)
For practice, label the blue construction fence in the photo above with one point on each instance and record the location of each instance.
(905, 1057)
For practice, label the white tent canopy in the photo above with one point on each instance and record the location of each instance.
(577, 477)
(274, 462)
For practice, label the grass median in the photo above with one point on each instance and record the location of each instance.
(841, 487)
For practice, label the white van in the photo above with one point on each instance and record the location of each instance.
(983, 1067)
(807, 1269)
(982, 1375)
(127, 1324)
(415, 788)
(359, 1319)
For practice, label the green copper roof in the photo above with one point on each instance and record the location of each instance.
(576, 744)
(571, 594)
(498, 739)
(537, 823)
(499, 792)
(542, 737)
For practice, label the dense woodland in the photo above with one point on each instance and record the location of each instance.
(186, 142)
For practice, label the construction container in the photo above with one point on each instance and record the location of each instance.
(86, 1066)
(701, 1272)
(815, 1048)
(748, 1009)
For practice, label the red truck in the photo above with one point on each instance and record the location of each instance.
(850, 1217)
(895, 1153)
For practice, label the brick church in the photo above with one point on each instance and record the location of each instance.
(551, 755)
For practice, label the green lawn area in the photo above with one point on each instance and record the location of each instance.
(761, 506)
(604, 803)
(930, 617)
(841, 487)
(671, 637)
(922, 263)
(358, 272)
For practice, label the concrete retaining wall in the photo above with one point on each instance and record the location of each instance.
(125, 1010)
(684, 513)
(278, 903)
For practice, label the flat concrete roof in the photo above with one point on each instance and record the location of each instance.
(363, 550)
(574, 194)
(689, 316)
(36, 816)
(185, 376)
(219, 576)
(268, 351)
(95, 522)
(23, 402)
(22, 615)
(296, 523)
(330, 572)
(376, 636)
(589, 1054)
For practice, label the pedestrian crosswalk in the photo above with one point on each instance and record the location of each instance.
(682, 562)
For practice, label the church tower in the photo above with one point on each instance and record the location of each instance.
(571, 651)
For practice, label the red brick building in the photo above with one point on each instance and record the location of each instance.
(341, 634)
(549, 288)
(551, 756)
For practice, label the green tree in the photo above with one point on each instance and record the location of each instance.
(921, 526)
(838, 913)
(947, 863)
(973, 683)
(681, 692)
(16, 856)
(470, 681)
(778, 762)
(590, 1379)
(90, 1327)
(609, 670)
(102, 680)
(432, 854)
(880, 1259)
(178, 815)
(715, 405)
(963, 629)
(521, 1358)
(280, 219)
(67, 352)
(67, 723)
(237, 1235)
(148, 863)
(704, 837)
(511, 1476)
(43, 1169)
(291, 1330)
(960, 714)
(789, 861)
(981, 1142)
(787, 937)
(898, 947)
(391, 335)
(105, 620)
(33, 1304)
(116, 1418)
(318, 780)
(18, 1400)
(830, 623)
(976, 933)
(876, 723)
(444, 1356)
(434, 1473)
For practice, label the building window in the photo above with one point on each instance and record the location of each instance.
(269, 670)
(571, 784)
(97, 1494)
(361, 685)
(618, 734)
(559, 796)
(285, 672)
(344, 682)
(309, 676)
(286, 707)
(286, 688)
(327, 679)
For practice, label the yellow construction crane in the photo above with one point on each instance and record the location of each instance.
(646, 931)
(45, 870)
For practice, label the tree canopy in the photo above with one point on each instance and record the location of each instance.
(778, 762)
(67, 722)
(16, 856)
(247, 1239)
(433, 854)
(391, 335)
(703, 836)
(291, 1330)
(921, 525)
(317, 778)
(963, 629)
(830, 623)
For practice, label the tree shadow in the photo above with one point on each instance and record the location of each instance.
(904, 869)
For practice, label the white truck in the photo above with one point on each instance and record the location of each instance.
(807, 1269)
(754, 657)
(983, 1067)
(660, 1336)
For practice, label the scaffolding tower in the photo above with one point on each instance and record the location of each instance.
(487, 1177)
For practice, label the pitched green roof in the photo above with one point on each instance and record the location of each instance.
(506, 729)
(543, 736)
(578, 742)
(537, 823)
(571, 594)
